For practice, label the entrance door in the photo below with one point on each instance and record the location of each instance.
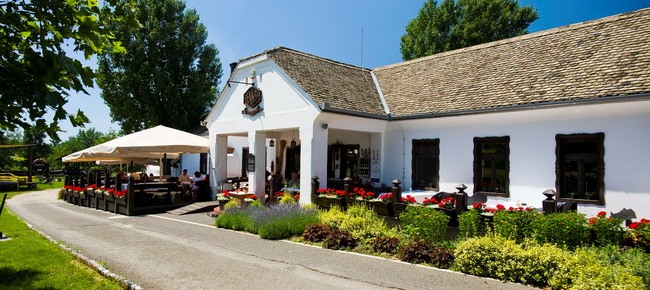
(292, 161)
(244, 167)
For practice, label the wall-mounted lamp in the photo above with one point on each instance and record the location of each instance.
(272, 142)
(293, 140)
(324, 126)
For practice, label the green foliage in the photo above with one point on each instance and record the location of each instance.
(37, 74)
(515, 225)
(639, 237)
(564, 229)
(470, 224)
(634, 259)
(286, 198)
(500, 258)
(607, 231)
(283, 221)
(316, 232)
(386, 244)
(29, 261)
(235, 218)
(462, 23)
(422, 223)
(339, 239)
(363, 223)
(332, 217)
(233, 203)
(584, 269)
(169, 72)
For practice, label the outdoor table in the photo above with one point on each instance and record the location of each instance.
(240, 195)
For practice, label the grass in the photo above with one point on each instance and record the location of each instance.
(30, 261)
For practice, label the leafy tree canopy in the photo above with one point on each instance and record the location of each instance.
(83, 139)
(169, 75)
(36, 73)
(463, 23)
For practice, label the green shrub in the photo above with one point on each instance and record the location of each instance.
(471, 224)
(584, 269)
(634, 259)
(234, 218)
(639, 237)
(286, 198)
(514, 225)
(422, 223)
(564, 229)
(332, 217)
(386, 245)
(316, 232)
(282, 220)
(231, 204)
(607, 231)
(363, 223)
(504, 259)
(339, 239)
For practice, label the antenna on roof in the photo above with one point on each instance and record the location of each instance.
(361, 47)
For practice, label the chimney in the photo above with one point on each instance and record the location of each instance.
(233, 65)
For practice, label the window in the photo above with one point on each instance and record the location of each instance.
(492, 165)
(425, 164)
(580, 168)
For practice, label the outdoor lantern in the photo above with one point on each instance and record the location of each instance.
(271, 143)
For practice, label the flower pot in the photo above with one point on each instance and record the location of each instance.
(382, 208)
(109, 203)
(327, 202)
(120, 205)
(90, 195)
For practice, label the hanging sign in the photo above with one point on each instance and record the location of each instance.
(252, 101)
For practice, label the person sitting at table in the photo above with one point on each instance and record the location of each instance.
(185, 181)
(135, 175)
(195, 188)
(294, 182)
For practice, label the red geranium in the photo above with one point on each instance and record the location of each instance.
(408, 199)
(252, 196)
(430, 201)
(602, 214)
(119, 193)
(386, 197)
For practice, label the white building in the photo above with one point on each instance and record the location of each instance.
(566, 109)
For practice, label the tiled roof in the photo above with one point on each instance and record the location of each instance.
(600, 58)
(340, 86)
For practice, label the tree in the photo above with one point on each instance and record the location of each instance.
(169, 75)
(463, 23)
(36, 73)
(83, 139)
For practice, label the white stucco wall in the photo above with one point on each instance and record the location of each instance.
(532, 150)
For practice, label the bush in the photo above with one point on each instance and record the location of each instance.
(363, 223)
(386, 245)
(422, 223)
(606, 231)
(231, 204)
(514, 225)
(564, 229)
(634, 259)
(282, 221)
(316, 232)
(339, 239)
(234, 218)
(423, 252)
(332, 217)
(471, 224)
(584, 269)
(417, 252)
(639, 237)
(503, 259)
(286, 198)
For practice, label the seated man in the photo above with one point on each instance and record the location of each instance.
(294, 182)
(185, 181)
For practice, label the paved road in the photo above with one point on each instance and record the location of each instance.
(171, 252)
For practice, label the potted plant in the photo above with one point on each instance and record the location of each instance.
(120, 201)
(383, 205)
(328, 197)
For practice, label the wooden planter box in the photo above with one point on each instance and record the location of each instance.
(109, 203)
(99, 200)
(382, 208)
(83, 199)
(90, 196)
(120, 205)
(398, 208)
(75, 197)
(326, 203)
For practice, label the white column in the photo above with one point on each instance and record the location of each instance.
(313, 158)
(220, 156)
(257, 147)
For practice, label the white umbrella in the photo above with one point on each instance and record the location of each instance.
(151, 143)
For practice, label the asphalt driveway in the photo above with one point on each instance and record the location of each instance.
(186, 252)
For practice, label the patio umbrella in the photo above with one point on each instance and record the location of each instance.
(153, 143)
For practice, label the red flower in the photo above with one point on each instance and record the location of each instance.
(386, 196)
(645, 221)
(252, 196)
(429, 201)
(500, 207)
(602, 214)
(119, 193)
(592, 220)
(634, 225)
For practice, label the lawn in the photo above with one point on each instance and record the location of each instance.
(30, 261)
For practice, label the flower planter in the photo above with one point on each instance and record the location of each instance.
(398, 208)
(382, 208)
(99, 200)
(109, 203)
(75, 197)
(90, 198)
(120, 205)
(326, 203)
(83, 199)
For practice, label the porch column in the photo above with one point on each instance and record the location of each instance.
(313, 158)
(257, 179)
(220, 163)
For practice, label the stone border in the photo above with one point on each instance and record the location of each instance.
(101, 270)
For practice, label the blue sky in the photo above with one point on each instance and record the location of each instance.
(330, 29)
